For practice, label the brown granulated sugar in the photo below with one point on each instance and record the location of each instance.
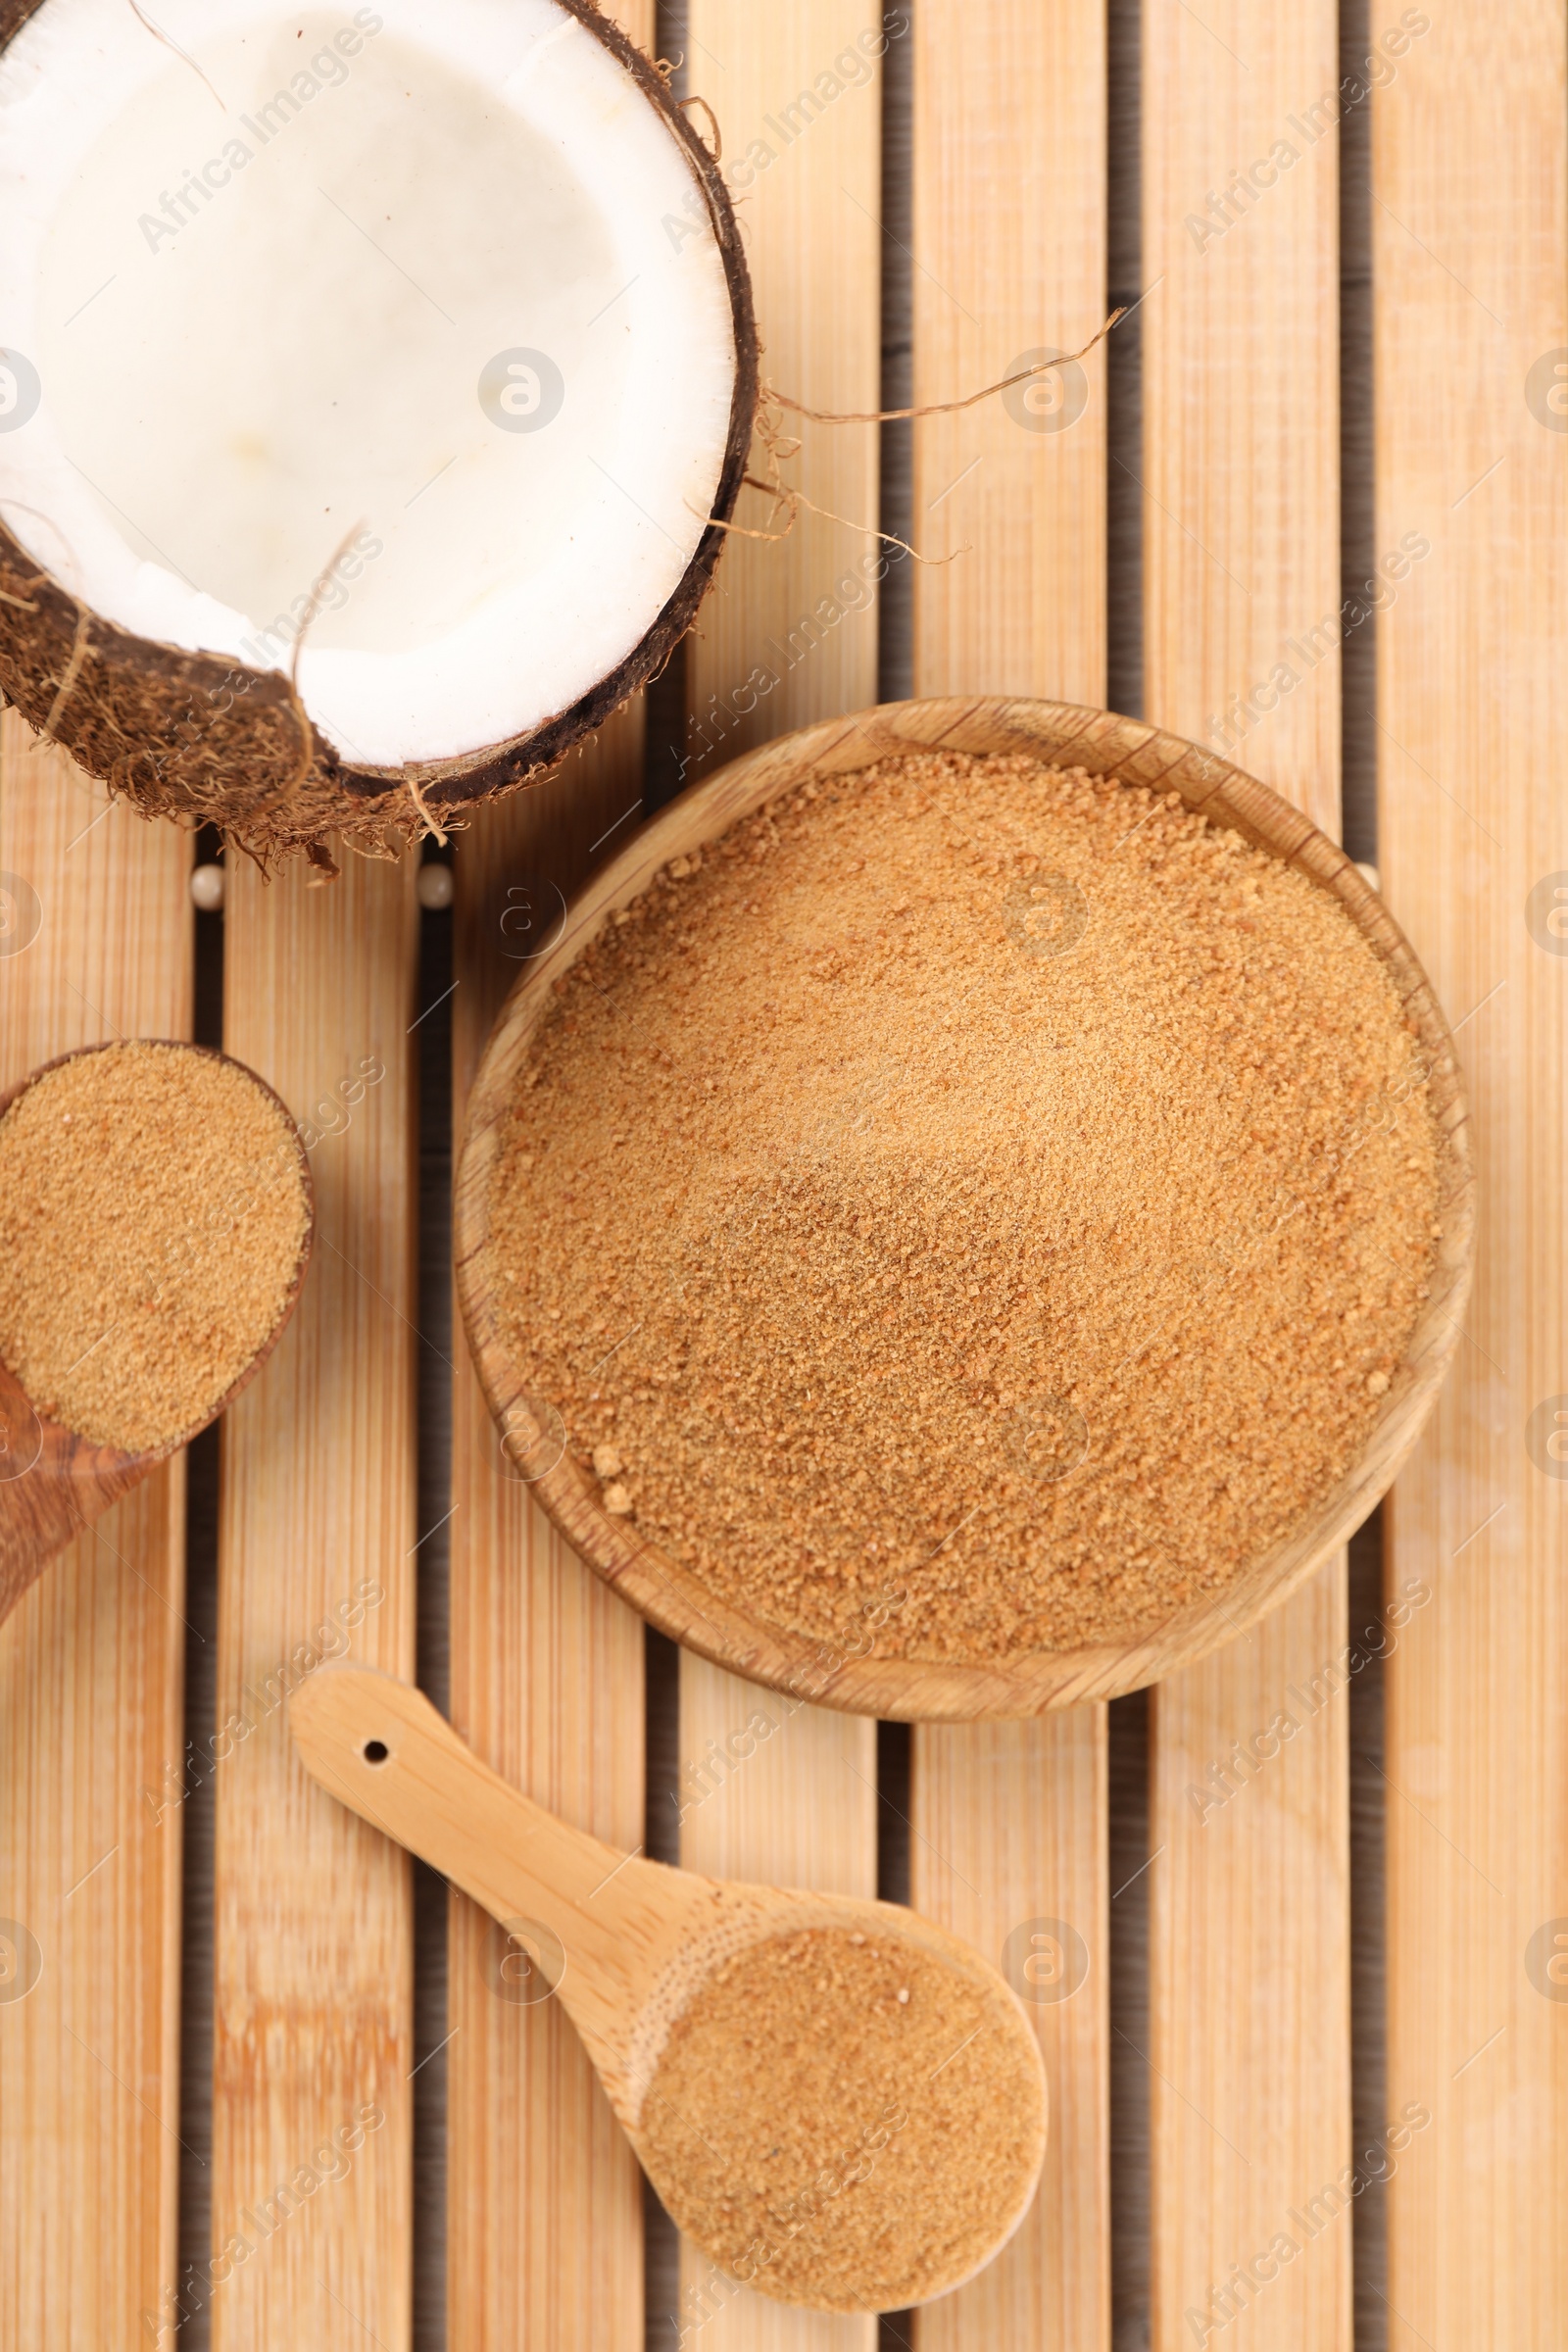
(152, 1215)
(988, 1196)
(844, 2122)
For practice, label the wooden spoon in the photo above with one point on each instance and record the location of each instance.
(632, 1946)
(53, 1482)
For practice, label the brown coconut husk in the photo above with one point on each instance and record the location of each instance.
(206, 740)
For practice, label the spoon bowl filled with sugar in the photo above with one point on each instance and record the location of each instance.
(840, 2102)
(155, 1220)
(967, 1210)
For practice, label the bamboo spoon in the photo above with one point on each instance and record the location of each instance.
(53, 1482)
(630, 1944)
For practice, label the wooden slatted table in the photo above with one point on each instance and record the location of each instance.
(1250, 2171)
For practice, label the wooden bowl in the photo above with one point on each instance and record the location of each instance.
(669, 1594)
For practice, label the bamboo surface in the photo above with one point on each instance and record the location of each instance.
(789, 631)
(313, 2020)
(1009, 1852)
(1011, 265)
(91, 1667)
(1250, 2051)
(1249, 1958)
(1471, 257)
(804, 160)
(544, 2217)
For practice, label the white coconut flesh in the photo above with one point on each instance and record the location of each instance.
(412, 314)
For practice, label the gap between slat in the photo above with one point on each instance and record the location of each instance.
(666, 735)
(433, 1034)
(197, 1814)
(1127, 1728)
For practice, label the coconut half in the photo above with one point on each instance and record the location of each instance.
(372, 385)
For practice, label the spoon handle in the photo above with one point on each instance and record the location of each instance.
(379, 1746)
(53, 1484)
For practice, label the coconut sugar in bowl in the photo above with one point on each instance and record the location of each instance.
(970, 1210)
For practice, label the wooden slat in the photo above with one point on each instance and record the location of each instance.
(544, 2228)
(92, 1668)
(1248, 2005)
(1009, 1850)
(1471, 256)
(789, 633)
(313, 1993)
(1250, 1898)
(796, 93)
(1009, 262)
